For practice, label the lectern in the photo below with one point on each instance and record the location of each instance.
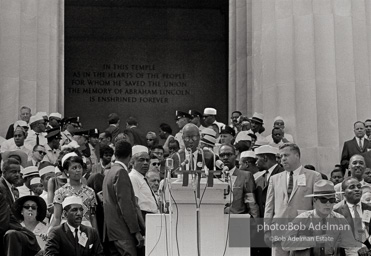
(168, 233)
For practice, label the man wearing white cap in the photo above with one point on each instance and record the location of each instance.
(268, 167)
(121, 217)
(243, 185)
(210, 118)
(146, 198)
(24, 115)
(28, 174)
(46, 173)
(55, 121)
(36, 135)
(247, 162)
(286, 191)
(73, 238)
(258, 128)
(17, 142)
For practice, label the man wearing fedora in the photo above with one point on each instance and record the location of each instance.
(355, 212)
(268, 167)
(73, 238)
(258, 128)
(286, 191)
(322, 230)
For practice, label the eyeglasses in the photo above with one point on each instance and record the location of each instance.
(156, 164)
(189, 138)
(324, 200)
(41, 153)
(27, 207)
(150, 139)
(221, 155)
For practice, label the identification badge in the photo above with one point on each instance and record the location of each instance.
(302, 180)
(83, 239)
(366, 216)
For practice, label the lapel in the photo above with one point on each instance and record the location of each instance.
(348, 216)
(357, 145)
(71, 239)
(283, 180)
(8, 192)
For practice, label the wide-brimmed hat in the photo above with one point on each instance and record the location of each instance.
(257, 117)
(41, 207)
(21, 154)
(323, 188)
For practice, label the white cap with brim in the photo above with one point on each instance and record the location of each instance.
(71, 200)
(266, 149)
(249, 153)
(30, 171)
(242, 135)
(278, 118)
(20, 123)
(210, 112)
(68, 155)
(47, 169)
(35, 181)
(55, 115)
(139, 149)
(35, 118)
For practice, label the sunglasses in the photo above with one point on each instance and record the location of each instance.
(41, 153)
(156, 164)
(324, 200)
(27, 207)
(150, 139)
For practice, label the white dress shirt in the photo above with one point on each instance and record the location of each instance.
(142, 191)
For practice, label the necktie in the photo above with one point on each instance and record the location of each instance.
(76, 241)
(291, 184)
(357, 224)
(37, 139)
(15, 193)
(265, 175)
(153, 194)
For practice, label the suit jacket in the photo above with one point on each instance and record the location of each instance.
(351, 148)
(367, 156)
(9, 222)
(10, 132)
(114, 130)
(262, 188)
(120, 214)
(208, 157)
(343, 209)
(243, 194)
(61, 241)
(137, 137)
(278, 205)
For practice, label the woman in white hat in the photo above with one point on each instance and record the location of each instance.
(73, 167)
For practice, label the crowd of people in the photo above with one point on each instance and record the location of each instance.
(66, 189)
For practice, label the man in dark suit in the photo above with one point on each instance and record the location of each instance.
(137, 137)
(356, 212)
(15, 239)
(357, 145)
(24, 114)
(73, 238)
(192, 157)
(114, 123)
(243, 185)
(120, 207)
(267, 164)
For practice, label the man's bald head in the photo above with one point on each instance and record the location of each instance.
(191, 136)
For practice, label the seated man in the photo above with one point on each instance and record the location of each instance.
(73, 238)
(333, 230)
(355, 212)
